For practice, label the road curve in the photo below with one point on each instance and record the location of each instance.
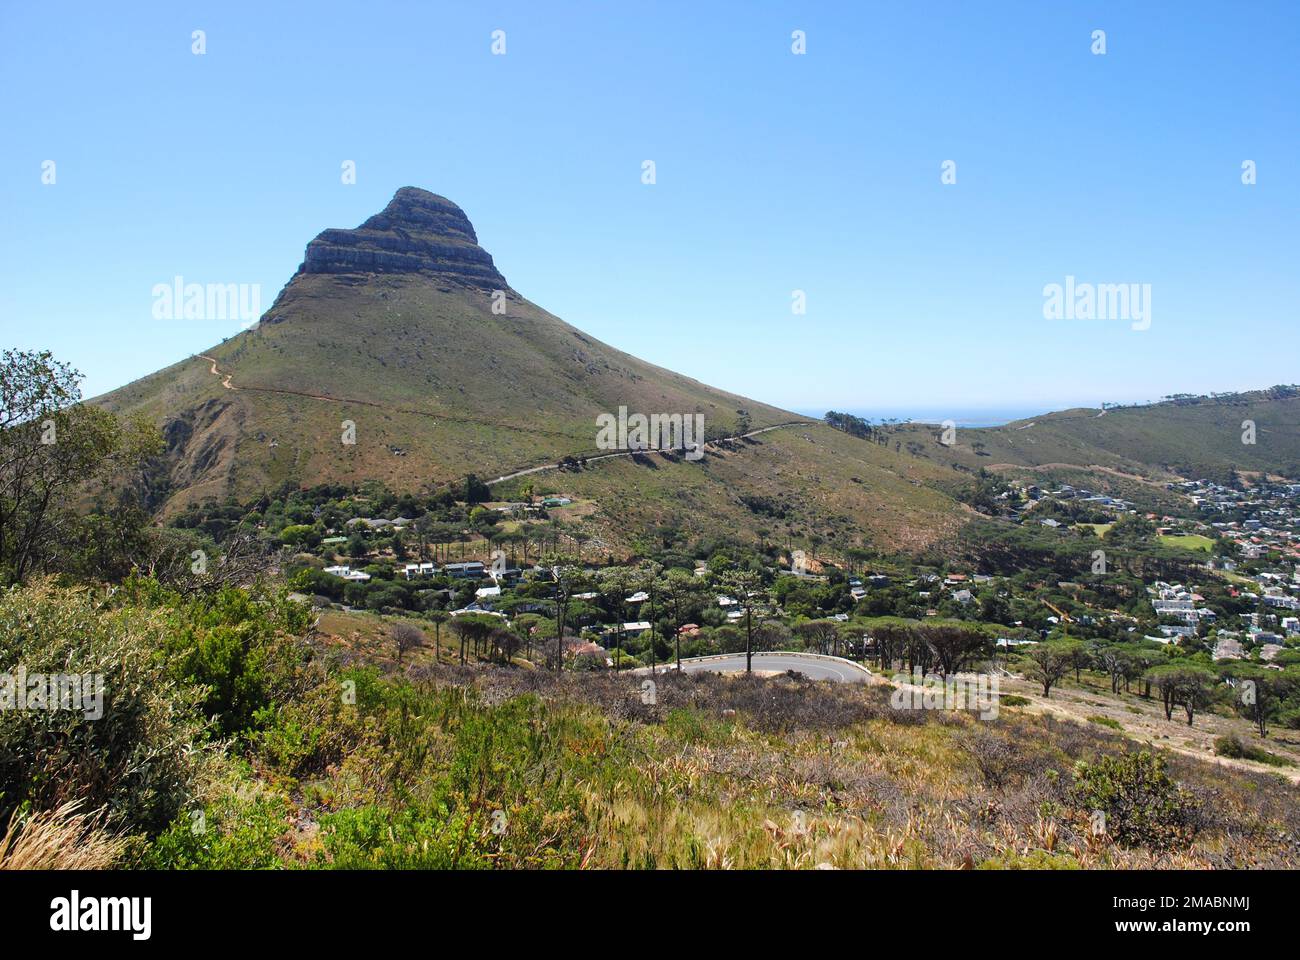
(813, 666)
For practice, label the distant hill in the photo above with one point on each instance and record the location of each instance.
(1201, 436)
(392, 326)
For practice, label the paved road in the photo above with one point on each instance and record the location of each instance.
(816, 668)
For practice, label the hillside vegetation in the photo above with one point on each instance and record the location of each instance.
(1195, 438)
(279, 755)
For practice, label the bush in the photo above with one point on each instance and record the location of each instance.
(242, 649)
(1232, 746)
(1106, 722)
(141, 758)
(1142, 805)
(374, 838)
(303, 737)
(998, 760)
(235, 832)
(502, 791)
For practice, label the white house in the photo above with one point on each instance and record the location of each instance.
(347, 573)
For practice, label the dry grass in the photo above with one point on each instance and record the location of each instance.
(59, 839)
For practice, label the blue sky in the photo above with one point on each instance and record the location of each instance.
(775, 172)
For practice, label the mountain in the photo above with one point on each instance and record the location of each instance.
(405, 328)
(404, 333)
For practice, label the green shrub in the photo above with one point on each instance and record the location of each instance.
(243, 649)
(1232, 746)
(458, 782)
(143, 757)
(1013, 700)
(1106, 722)
(1030, 860)
(375, 838)
(1143, 807)
(304, 736)
(235, 832)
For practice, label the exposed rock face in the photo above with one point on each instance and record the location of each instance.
(418, 232)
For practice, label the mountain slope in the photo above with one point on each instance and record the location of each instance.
(1195, 436)
(405, 328)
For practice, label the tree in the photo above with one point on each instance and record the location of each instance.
(680, 592)
(472, 628)
(1182, 685)
(615, 585)
(1047, 663)
(506, 642)
(1260, 693)
(407, 637)
(892, 641)
(567, 576)
(437, 618)
(744, 586)
(1080, 657)
(476, 491)
(954, 647)
(53, 447)
(1115, 662)
(1142, 658)
(771, 635)
(820, 635)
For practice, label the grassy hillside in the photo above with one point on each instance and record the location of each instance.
(436, 384)
(1201, 438)
(800, 486)
(434, 766)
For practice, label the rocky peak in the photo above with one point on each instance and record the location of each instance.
(418, 232)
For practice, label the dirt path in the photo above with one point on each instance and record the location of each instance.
(217, 373)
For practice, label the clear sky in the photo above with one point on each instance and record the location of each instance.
(775, 172)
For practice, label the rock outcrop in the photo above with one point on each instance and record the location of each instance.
(418, 232)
